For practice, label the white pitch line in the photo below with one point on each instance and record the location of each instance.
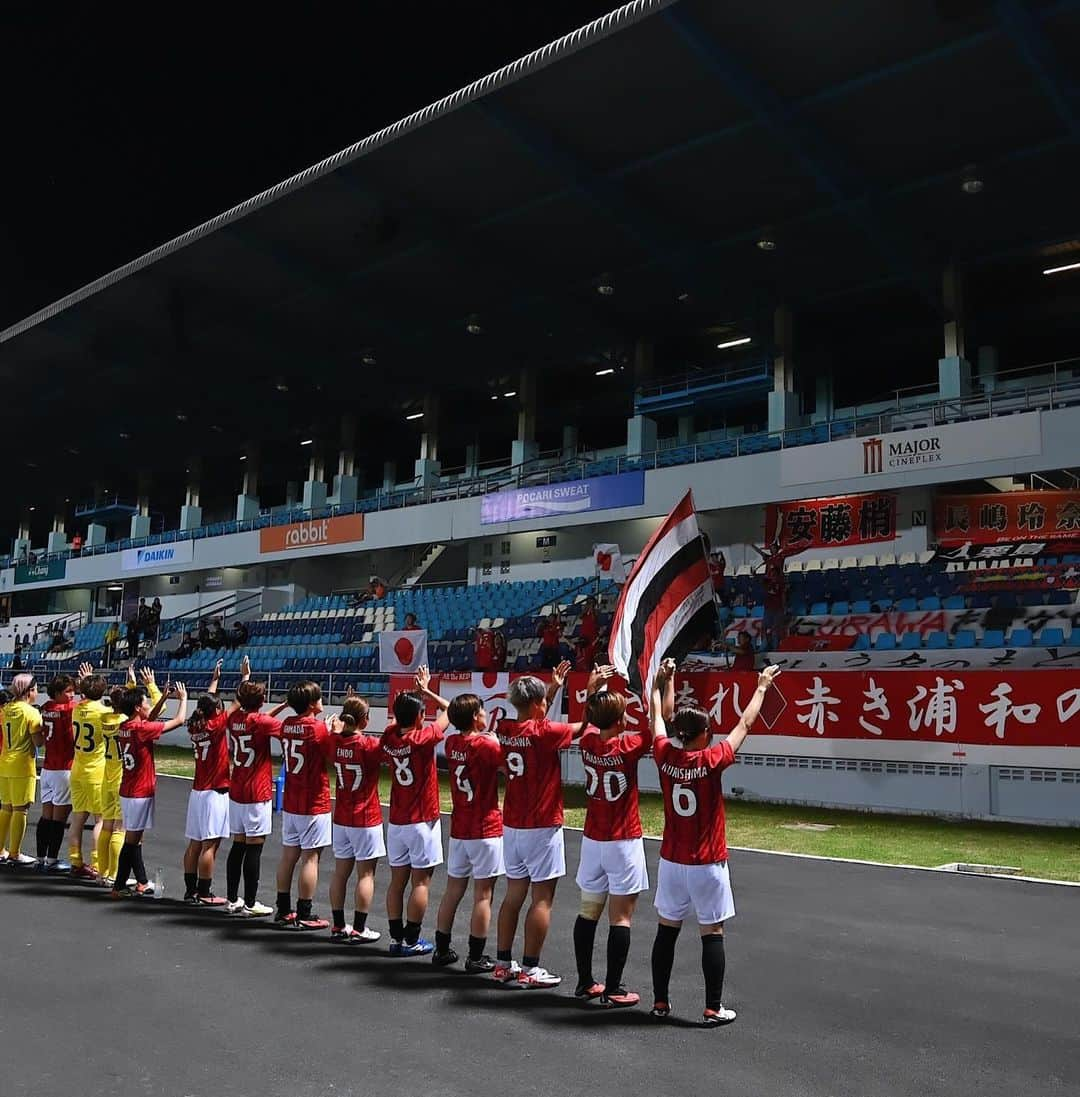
(823, 857)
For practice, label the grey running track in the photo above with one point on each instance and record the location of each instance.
(848, 979)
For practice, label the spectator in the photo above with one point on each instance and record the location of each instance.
(16, 661)
(589, 624)
(775, 620)
(484, 644)
(745, 658)
(204, 633)
(378, 587)
(155, 616)
(76, 544)
(410, 623)
(217, 633)
(550, 633)
(499, 648)
(186, 646)
(112, 635)
(584, 654)
(26, 640)
(144, 616)
(18, 643)
(238, 635)
(133, 635)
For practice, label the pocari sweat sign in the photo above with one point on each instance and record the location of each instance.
(157, 557)
(625, 489)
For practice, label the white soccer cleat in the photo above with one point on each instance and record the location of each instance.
(257, 910)
(712, 1017)
(538, 978)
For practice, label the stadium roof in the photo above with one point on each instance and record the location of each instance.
(652, 151)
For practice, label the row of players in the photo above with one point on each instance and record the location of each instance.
(99, 761)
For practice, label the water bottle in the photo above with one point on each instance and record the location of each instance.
(159, 883)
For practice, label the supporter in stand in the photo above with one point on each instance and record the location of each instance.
(743, 651)
(589, 622)
(550, 633)
(410, 623)
(499, 645)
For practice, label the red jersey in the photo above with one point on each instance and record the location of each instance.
(135, 745)
(744, 660)
(611, 784)
(474, 761)
(305, 745)
(211, 747)
(356, 760)
(59, 738)
(533, 772)
(414, 790)
(252, 780)
(588, 626)
(693, 802)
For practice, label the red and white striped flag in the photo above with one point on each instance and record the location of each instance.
(667, 604)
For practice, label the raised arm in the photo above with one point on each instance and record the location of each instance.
(245, 674)
(597, 677)
(181, 713)
(656, 724)
(558, 680)
(750, 713)
(215, 678)
(667, 707)
(423, 682)
(157, 698)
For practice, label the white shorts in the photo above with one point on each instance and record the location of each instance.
(418, 845)
(137, 812)
(358, 843)
(207, 815)
(306, 831)
(56, 787)
(535, 853)
(480, 858)
(250, 820)
(615, 868)
(705, 887)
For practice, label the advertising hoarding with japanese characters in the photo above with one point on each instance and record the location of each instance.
(834, 523)
(978, 708)
(1007, 516)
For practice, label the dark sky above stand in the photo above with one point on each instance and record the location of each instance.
(126, 126)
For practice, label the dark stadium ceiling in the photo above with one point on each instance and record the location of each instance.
(653, 160)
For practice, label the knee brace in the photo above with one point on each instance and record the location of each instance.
(592, 904)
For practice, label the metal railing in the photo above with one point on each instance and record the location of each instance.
(1063, 392)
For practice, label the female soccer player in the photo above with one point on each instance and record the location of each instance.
(358, 832)
(208, 802)
(20, 726)
(135, 740)
(612, 868)
(56, 770)
(693, 867)
(414, 837)
(475, 759)
(251, 796)
(532, 823)
(306, 829)
(87, 772)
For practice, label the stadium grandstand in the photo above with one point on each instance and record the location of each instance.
(433, 403)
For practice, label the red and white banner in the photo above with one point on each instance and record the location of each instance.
(1007, 516)
(491, 687)
(981, 707)
(402, 652)
(1040, 577)
(946, 659)
(609, 563)
(833, 523)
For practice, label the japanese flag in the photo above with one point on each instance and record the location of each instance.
(402, 652)
(609, 562)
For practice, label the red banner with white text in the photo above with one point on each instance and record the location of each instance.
(491, 687)
(982, 708)
(833, 523)
(1007, 516)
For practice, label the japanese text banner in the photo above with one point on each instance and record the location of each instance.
(834, 523)
(980, 708)
(1007, 516)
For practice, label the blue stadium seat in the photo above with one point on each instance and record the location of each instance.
(910, 641)
(885, 641)
(964, 638)
(993, 638)
(1020, 638)
(1051, 637)
(937, 640)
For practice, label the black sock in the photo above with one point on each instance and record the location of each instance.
(123, 867)
(584, 938)
(359, 920)
(202, 888)
(663, 956)
(233, 866)
(337, 918)
(138, 866)
(504, 955)
(618, 949)
(397, 929)
(56, 837)
(442, 941)
(252, 864)
(191, 883)
(412, 932)
(713, 962)
(530, 961)
(43, 828)
(303, 910)
(284, 903)
(476, 947)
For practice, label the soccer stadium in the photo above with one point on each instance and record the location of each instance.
(654, 463)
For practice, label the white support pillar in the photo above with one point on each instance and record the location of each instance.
(954, 370)
(524, 447)
(783, 400)
(315, 485)
(191, 512)
(427, 467)
(247, 502)
(346, 486)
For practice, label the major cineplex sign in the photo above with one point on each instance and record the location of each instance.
(905, 451)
